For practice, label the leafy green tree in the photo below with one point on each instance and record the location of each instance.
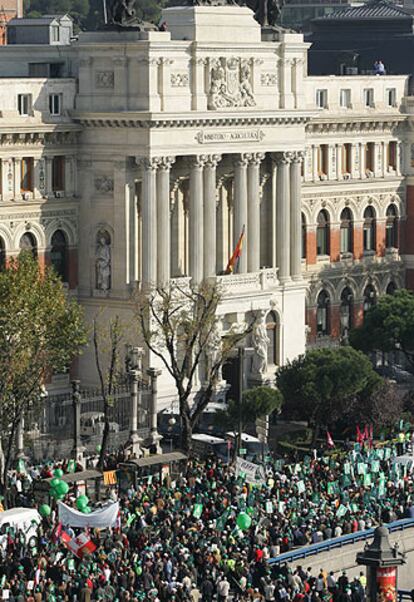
(321, 385)
(41, 331)
(388, 326)
(256, 403)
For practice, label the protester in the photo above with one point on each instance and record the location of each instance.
(210, 534)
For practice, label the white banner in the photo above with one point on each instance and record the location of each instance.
(100, 519)
(252, 473)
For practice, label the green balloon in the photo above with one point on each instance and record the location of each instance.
(98, 448)
(244, 521)
(86, 510)
(54, 482)
(45, 510)
(62, 488)
(81, 502)
(58, 473)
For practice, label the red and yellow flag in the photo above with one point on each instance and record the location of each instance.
(235, 258)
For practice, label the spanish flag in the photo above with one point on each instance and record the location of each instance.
(235, 258)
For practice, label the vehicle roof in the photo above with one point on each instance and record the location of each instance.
(92, 415)
(14, 512)
(245, 437)
(207, 438)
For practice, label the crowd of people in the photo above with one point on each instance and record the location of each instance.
(181, 540)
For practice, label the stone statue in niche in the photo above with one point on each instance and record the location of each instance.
(260, 344)
(103, 261)
(230, 84)
(214, 349)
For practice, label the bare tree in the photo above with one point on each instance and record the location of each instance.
(106, 343)
(179, 325)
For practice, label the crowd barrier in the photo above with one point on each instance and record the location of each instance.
(338, 542)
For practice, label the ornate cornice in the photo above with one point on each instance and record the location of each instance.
(348, 124)
(38, 138)
(190, 122)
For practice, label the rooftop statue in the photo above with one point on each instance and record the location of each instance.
(123, 14)
(266, 12)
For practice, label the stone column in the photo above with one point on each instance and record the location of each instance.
(240, 209)
(134, 439)
(155, 437)
(253, 211)
(149, 221)
(7, 179)
(210, 211)
(163, 220)
(48, 176)
(20, 439)
(338, 150)
(283, 216)
(17, 178)
(295, 216)
(196, 242)
(39, 178)
(77, 449)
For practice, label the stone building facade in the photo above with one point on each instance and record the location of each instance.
(173, 143)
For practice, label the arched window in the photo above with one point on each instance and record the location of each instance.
(303, 254)
(346, 311)
(58, 255)
(370, 297)
(346, 230)
(322, 233)
(2, 255)
(322, 314)
(391, 288)
(369, 229)
(271, 328)
(391, 228)
(28, 243)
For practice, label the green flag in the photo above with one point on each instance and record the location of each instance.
(301, 487)
(221, 521)
(367, 479)
(198, 510)
(342, 510)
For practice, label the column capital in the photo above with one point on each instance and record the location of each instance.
(212, 160)
(197, 161)
(165, 163)
(298, 156)
(254, 158)
(147, 163)
(283, 158)
(241, 160)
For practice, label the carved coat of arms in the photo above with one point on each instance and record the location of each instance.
(230, 84)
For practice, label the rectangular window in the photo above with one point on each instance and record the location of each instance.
(55, 33)
(345, 99)
(370, 157)
(58, 174)
(369, 97)
(345, 242)
(392, 156)
(24, 104)
(55, 104)
(391, 97)
(346, 158)
(368, 239)
(322, 99)
(26, 175)
(323, 159)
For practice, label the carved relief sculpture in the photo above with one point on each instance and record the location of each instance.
(104, 184)
(260, 344)
(230, 84)
(103, 261)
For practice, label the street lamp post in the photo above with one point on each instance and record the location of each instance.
(134, 439)
(77, 449)
(154, 436)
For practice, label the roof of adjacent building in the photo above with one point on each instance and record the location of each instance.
(373, 9)
(44, 20)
